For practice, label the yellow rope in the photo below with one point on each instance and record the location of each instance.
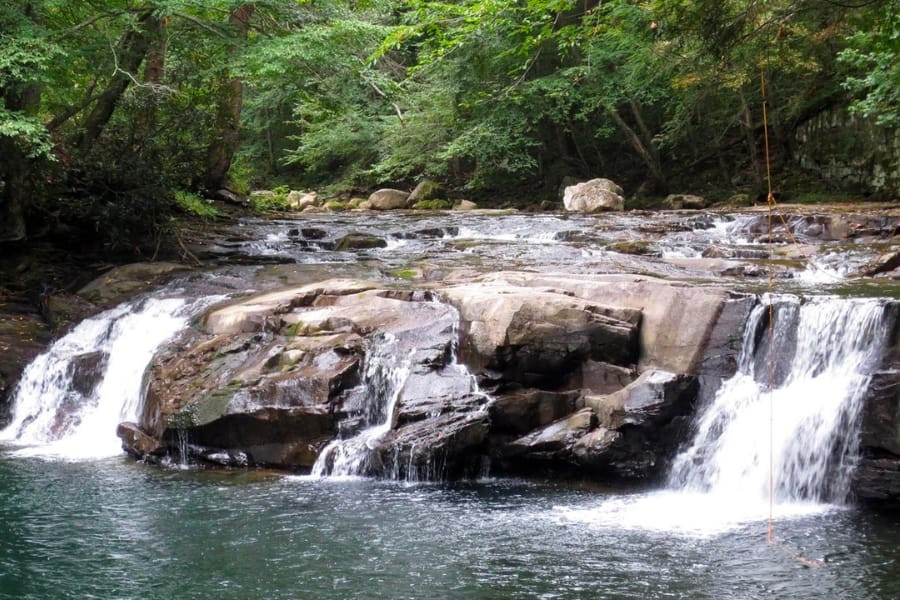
(770, 201)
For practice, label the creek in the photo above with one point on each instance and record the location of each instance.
(78, 519)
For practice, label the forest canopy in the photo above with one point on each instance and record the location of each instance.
(112, 107)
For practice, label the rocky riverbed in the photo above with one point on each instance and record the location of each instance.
(543, 343)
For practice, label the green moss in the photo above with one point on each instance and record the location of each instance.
(336, 205)
(407, 273)
(194, 205)
(820, 197)
(291, 331)
(433, 205)
(204, 410)
(276, 202)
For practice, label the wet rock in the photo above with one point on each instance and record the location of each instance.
(881, 414)
(636, 247)
(596, 195)
(359, 241)
(521, 412)
(388, 199)
(877, 481)
(271, 379)
(313, 233)
(448, 444)
(882, 264)
(650, 417)
(86, 371)
(137, 443)
(555, 441)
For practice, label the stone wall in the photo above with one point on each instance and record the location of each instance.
(851, 153)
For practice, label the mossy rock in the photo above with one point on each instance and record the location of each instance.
(336, 206)
(409, 274)
(636, 247)
(433, 205)
(203, 410)
(359, 241)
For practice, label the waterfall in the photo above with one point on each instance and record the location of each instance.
(824, 352)
(71, 398)
(384, 373)
(825, 349)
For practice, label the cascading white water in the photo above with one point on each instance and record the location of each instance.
(386, 369)
(825, 349)
(821, 367)
(51, 417)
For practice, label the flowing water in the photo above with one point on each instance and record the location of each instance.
(385, 371)
(98, 367)
(78, 521)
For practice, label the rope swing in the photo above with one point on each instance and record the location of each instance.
(770, 201)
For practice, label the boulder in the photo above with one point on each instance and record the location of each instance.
(138, 443)
(425, 190)
(631, 434)
(272, 379)
(466, 205)
(538, 337)
(555, 441)
(596, 195)
(86, 371)
(359, 241)
(388, 199)
(675, 319)
(122, 283)
(882, 264)
(684, 201)
(300, 200)
(231, 197)
(523, 411)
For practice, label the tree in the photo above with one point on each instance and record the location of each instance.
(23, 139)
(874, 57)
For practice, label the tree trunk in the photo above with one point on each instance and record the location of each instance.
(15, 184)
(129, 54)
(154, 72)
(228, 116)
(746, 121)
(646, 154)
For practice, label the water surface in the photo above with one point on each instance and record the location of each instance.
(117, 529)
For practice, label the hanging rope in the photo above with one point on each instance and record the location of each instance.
(770, 201)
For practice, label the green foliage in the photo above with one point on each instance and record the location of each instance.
(28, 132)
(874, 57)
(195, 205)
(274, 201)
(479, 95)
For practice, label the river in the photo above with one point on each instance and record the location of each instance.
(117, 529)
(86, 524)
